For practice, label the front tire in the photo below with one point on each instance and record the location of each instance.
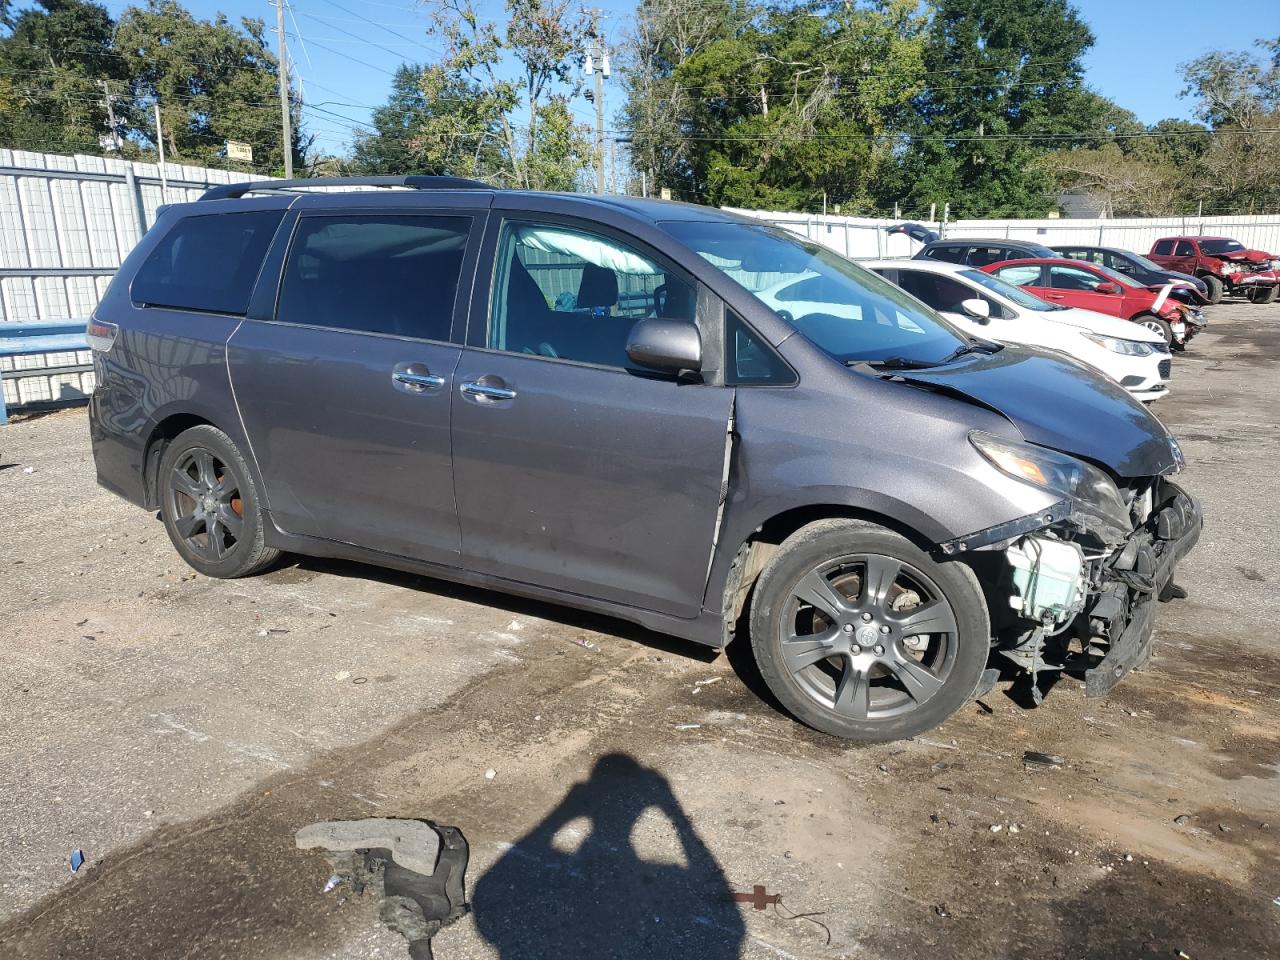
(861, 634)
(1157, 325)
(1215, 288)
(210, 505)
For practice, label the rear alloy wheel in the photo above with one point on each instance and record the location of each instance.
(1156, 325)
(210, 506)
(1215, 288)
(861, 634)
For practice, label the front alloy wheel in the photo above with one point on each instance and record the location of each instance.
(862, 634)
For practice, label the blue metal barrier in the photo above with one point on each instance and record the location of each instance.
(42, 336)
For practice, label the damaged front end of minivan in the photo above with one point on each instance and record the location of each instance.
(1072, 588)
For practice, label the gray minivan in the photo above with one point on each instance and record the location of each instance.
(588, 400)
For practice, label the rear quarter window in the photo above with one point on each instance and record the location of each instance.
(207, 263)
(950, 253)
(1163, 249)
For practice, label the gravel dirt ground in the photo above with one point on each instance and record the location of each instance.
(179, 730)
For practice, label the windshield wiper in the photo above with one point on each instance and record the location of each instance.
(895, 363)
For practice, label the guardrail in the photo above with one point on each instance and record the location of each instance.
(21, 343)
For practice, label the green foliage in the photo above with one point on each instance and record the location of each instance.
(458, 116)
(214, 81)
(50, 64)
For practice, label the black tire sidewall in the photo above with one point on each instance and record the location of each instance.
(248, 552)
(1215, 288)
(828, 540)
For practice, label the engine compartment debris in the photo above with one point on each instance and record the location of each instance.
(416, 869)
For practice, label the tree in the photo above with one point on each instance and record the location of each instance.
(433, 123)
(1238, 96)
(1005, 80)
(541, 40)
(51, 63)
(214, 82)
(663, 35)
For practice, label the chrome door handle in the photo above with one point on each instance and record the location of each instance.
(474, 388)
(418, 381)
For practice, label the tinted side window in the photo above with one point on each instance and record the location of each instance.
(573, 295)
(1069, 278)
(207, 263)
(750, 360)
(943, 293)
(1184, 249)
(951, 254)
(377, 273)
(982, 256)
(1024, 275)
(1163, 248)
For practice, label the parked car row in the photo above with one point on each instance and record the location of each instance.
(1164, 301)
(672, 414)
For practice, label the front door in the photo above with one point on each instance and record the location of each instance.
(574, 469)
(1077, 287)
(345, 394)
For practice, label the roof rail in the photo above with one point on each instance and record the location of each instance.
(230, 191)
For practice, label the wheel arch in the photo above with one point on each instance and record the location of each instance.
(753, 553)
(161, 434)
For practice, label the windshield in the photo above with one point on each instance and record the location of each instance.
(1221, 246)
(1143, 261)
(1007, 290)
(846, 310)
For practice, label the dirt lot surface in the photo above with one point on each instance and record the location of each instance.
(179, 730)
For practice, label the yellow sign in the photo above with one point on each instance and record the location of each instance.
(239, 151)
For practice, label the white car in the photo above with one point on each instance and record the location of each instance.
(978, 303)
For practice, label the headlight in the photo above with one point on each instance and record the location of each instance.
(1128, 348)
(1095, 501)
(1231, 268)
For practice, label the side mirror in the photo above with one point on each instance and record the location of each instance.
(977, 308)
(672, 345)
(1107, 287)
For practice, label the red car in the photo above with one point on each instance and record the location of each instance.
(1225, 265)
(1074, 283)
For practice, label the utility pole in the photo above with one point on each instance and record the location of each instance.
(164, 181)
(113, 125)
(597, 64)
(285, 134)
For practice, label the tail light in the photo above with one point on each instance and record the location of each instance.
(101, 335)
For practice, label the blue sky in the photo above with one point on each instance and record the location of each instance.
(1139, 46)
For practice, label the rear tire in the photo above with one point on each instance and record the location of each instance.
(1156, 325)
(1215, 288)
(210, 505)
(861, 634)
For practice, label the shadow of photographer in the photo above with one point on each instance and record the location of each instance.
(567, 892)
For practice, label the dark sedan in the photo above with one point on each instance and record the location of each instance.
(1141, 269)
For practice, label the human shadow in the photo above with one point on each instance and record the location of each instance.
(544, 898)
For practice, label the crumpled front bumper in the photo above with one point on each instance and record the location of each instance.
(1168, 536)
(1262, 278)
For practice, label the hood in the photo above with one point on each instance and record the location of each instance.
(1242, 256)
(1104, 324)
(1062, 404)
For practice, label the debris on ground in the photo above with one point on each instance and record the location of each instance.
(415, 868)
(1049, 761)
(585, 644)
(490, 773)
(941, 910)
(757, 897)
(1182, 820)
(77, 860)
(342, 675)
(688, 726)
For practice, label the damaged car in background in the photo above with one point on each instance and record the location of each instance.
(589, 400)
